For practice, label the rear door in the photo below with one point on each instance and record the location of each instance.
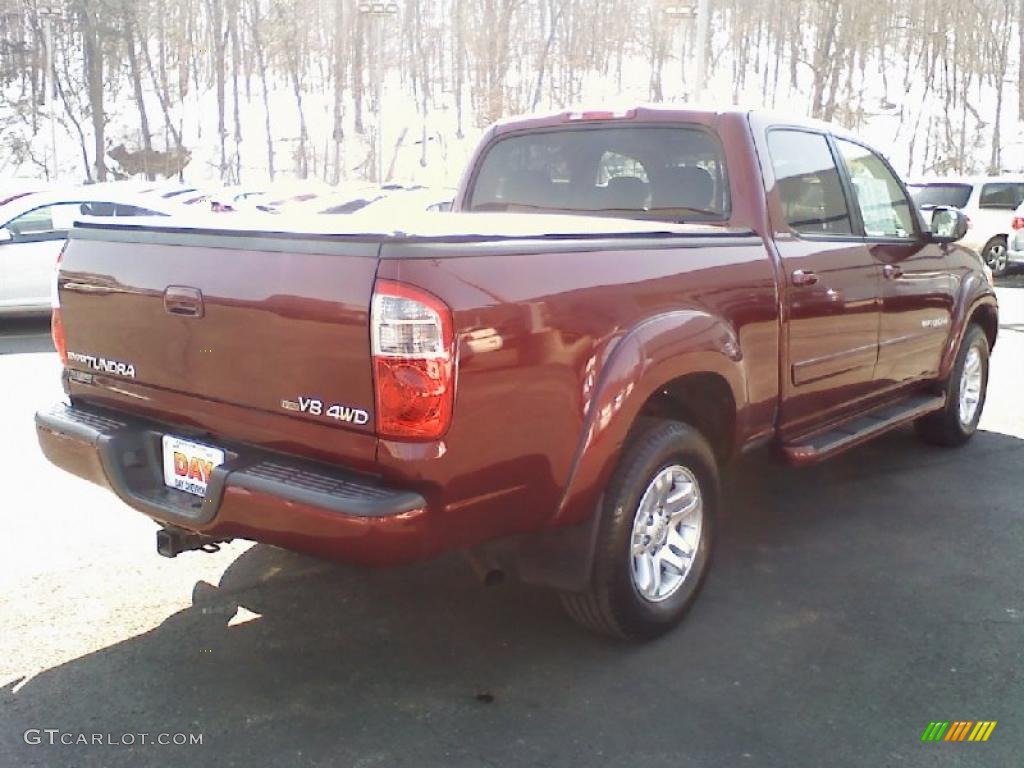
(917, 286)
(831, 282)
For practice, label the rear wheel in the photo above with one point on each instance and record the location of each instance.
(655, 536)
(965, 394)
(996, 256)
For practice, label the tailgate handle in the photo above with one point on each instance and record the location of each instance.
(183, 301)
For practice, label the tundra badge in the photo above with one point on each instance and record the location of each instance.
(104, 365)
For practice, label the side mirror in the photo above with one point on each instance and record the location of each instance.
(948, 225)
(6, 235)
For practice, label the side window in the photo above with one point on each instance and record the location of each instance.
(97, 208)
(42, 223)
(120, 209)
(1002, 195)
(884, 208)
(808, 183)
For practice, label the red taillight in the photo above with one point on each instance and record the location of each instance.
(56, 320)
(413, 347)
(1017, 223)
(57, 332)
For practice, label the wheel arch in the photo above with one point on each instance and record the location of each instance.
(656, 368)
(974, 303)
(703, 400)
(663, 367)
(986, 316)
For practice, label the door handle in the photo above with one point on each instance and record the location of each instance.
(184, 301)
(891, 271)
(804, 277)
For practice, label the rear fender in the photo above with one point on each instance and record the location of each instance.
(646, 358)
(975, 292)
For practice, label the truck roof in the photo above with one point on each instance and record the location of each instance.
(648, 113)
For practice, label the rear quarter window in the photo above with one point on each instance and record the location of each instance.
(1003, 195)
(670, 173)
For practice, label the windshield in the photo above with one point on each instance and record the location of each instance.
(931, 195)
(659, 173)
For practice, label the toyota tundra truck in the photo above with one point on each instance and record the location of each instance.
(548, 379)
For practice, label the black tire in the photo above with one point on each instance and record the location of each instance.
(995, 254)
(613, 605)
(945, 427)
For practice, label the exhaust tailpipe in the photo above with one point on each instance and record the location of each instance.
(486, 569)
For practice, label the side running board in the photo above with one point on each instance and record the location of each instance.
(860, 428)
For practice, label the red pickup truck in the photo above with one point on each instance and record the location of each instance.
(549, 379)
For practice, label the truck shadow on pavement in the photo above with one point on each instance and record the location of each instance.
(816, 619)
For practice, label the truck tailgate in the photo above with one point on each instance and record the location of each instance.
(269, 324)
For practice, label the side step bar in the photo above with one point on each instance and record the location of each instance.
(860, 428)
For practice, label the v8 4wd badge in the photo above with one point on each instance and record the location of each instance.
(315, 407)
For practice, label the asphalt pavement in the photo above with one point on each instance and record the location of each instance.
(849, 605)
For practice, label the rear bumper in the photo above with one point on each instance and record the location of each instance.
(1015, 252)
(255, 494)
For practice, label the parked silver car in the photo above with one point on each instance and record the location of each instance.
(33, 228)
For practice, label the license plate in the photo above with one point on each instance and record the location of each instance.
(188, 465)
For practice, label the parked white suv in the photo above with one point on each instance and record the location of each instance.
(989, 203)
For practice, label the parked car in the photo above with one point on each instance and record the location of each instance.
(281, 194)
(33, 228)
(1015, 255)
(388, 200)
(345, 198)
(987, 202)
(408, 200)
(553, 394)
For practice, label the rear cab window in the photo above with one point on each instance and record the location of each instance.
(659, 173)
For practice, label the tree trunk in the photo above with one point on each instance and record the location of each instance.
(261, 67)
(78, 128)
(218, 39)
(236, 55)
(136, 75)
(458, 59)
(357, 72)
(338, 132)
(93, 51)
(1020, 63)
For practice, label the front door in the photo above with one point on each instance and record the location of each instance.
(917, 286)
(832, 284)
